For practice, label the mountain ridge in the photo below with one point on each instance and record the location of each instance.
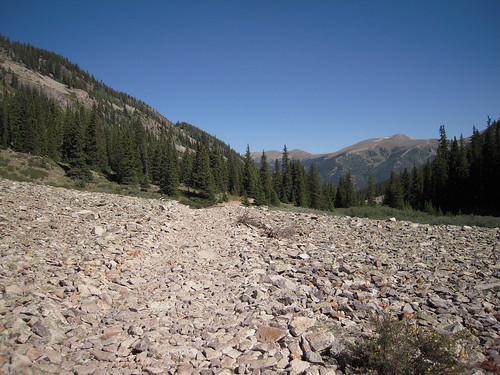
(378, 156)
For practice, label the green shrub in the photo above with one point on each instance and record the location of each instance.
(402, 348)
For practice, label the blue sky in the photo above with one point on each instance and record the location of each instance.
(315, 75)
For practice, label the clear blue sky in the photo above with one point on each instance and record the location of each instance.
(315, 75)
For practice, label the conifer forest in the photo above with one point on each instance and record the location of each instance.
(111, 137)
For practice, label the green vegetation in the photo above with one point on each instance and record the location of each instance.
(462, 179)
(402, 348)
(385, 213)
(111, 139)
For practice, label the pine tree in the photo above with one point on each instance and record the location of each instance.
(417, 201)
(203, 178)
(406, 186)
(169, 175)
(186, 167)
(266, 181)
(394, 196)
(286, 178)
(250, 180)
(235, 175)
(74, 146)
(440, 172)
(277, 179)
(219, 169)
(370, 191)
(345, 192)
(299, 184)
(315, 190)
(329, 194)
(129, 167)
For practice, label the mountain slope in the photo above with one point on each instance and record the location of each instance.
(378, 156)
(60, 79)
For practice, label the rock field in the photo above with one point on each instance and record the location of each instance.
(97, 283)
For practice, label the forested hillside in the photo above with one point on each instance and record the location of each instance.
(50, 107)
(462, 178)
(89, 126)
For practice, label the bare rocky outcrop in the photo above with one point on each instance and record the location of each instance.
(105, 284)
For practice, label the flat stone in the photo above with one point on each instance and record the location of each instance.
(53, 356)
(269, 334)
(319, 340)
(300, 324)
(298, 366)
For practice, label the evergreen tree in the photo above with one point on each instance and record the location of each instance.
(129, 166)
(74, 146)
(186, 167)
(219, 169)
(417, 190)
(315, 190)
(406, 186)
(277, 179)
(203, 178)
(370, 191)
(266, 182)
(235, 175)
(169, 180)
(440, 172)
(286, 178)
(345, 192)
(299, 184)
(249, 174)
(329, 194)
(394, 196)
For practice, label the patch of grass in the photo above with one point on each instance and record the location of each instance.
(13, 176)
(34, 174)
(384, 213)
(197, 202)
(3, 161)
(402, 348)
(43, 163)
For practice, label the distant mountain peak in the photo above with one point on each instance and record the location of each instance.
(378, 156)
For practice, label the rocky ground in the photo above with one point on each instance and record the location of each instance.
(105, 284)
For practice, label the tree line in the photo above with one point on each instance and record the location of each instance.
(111, 138)
(463, 178)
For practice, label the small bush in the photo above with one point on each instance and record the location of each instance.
(401, 348)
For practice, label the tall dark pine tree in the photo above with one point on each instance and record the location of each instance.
(370, 191)
(266, 181)
(203, 179)
(329, 193)
(417, 190)
(251, 184)
(186, 167)
(315, 190)
(299, 184)
(345, 192)
(219, 169)
(169, 174)
(286, 177)
(394, 196)
(440, 172)
(234, 178)
(129, 166)
(74, 145)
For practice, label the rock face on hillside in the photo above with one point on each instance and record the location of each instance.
(105, 284)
